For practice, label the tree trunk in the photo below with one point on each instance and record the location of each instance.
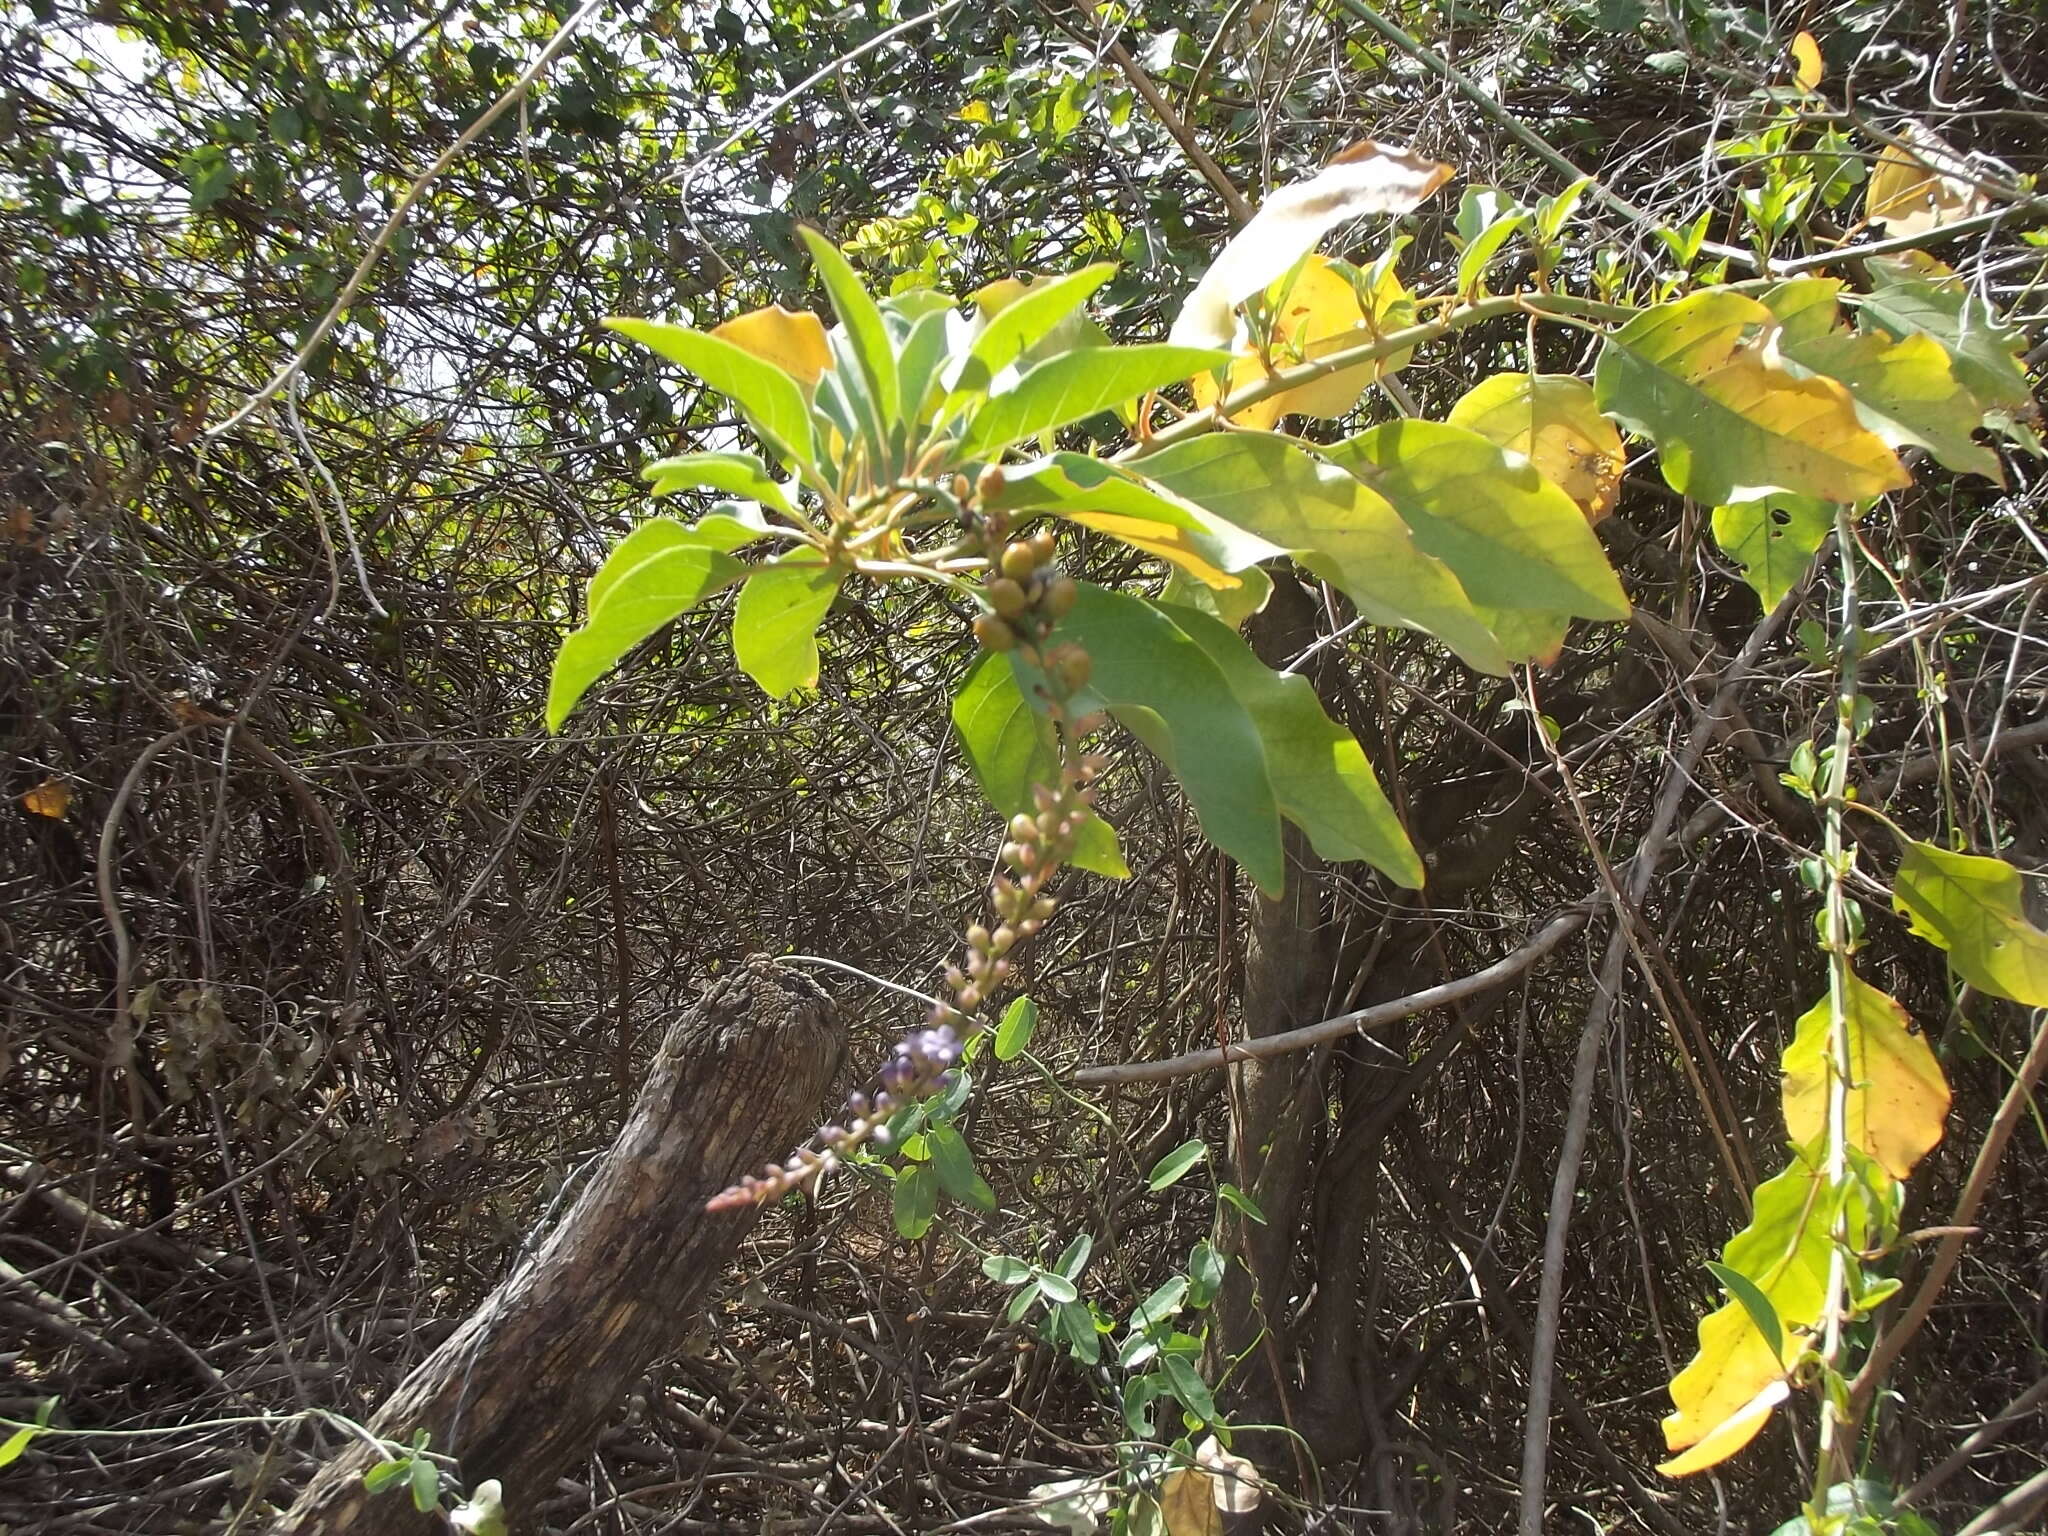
(522, 1388)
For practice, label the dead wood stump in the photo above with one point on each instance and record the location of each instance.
(523, 1387)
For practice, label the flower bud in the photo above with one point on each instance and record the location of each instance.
(990, 482)
(1044, 546)
(993, 634)
(1002, 940)
(1059, 597)
(1023, 829)
(1019, 560)
(977, 937)
(1075, 667)
(1006, 597)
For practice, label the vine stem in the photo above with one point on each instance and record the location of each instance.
(1837, 1427)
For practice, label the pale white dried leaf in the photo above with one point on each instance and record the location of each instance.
(1366, 178)
(1912, 191)
(1233, 1481)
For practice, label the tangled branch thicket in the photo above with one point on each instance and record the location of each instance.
(331, 973)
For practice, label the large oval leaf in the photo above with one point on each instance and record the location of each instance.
(775, 624)
(1896, 1097)
(1065, 389)
(1551, 419)
(769, 398)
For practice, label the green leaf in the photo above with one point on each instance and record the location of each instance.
(1773, 540)
(656, 574)
(1013, 1035)
(1125, 505)
(1698, 377)
(1904, 300)
(865, 330)
(18, 1442)
(1188, 1386)
(1244, 1204)
(1231, 605)
(1322, 781)
(765, 395)
(1074, 1257)
(1479, 253)
(1005, 1270)
(1754, 1302)
(387, 1474)
(1905, 389)
(1513, 539)
(1971, 907)
(921, 362)
(775, 624)
(1334, 525)
(1009, 746)
(1161, 1306)
(1058, 1288)
(1143, 660)
(1076, 1323)
(1021, 324)
(1174, 1167)
(425, 1482)
(916, 1201)
(736, 474)
(1022, 1302)
(1065, 389)
(958, 1176)
(1206, 1265)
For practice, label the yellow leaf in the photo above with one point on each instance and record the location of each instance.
(1733, 1432)
(1784, 1252)
(1897, 1095)
(1806, 67)
(1551, 420)
(1702, 378)
(1186, 1507)
(793, 342)
(51, 798)
(1317, 314)
(1177, 545)
(1974, 908)
(1913, 191)
(1366, 178)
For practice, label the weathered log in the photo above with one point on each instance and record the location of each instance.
(523, 1387)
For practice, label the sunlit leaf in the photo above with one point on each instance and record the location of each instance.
(770, 399)
(1700, 378)
(1896, 1096)
(736, 474)
(1806, 65)
(1010, 748)
(1316, 312)
(656, 574)
(1920, 188)
(1018, 316)
(792, 341)
(1513, 539)
(1773, 539)
(1971, 907)
(1784, 1251)
(1905, 389)
(1552, 420)
(1175, 1165)
(1321, 779)
(1233, 605)
(1013, 1034)
(862, 320)
(1366, 178)
(775, 623)
(51, 798)
(1065, 389)
(1332, 523)
(1731, 1434)
(1126, 505)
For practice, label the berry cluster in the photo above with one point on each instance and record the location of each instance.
(1026, 597)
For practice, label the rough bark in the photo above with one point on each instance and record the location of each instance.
(522, 1388)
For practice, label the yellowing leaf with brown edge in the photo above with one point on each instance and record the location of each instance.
(1784, 1253)
(1970, 906)
(792, 341)
(51, 798)
(1912, 191)
(1366, 178)
(1733, 1432)
(1702, 379)
(1897, 1096)
(1806, 65)
(1551, 419)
